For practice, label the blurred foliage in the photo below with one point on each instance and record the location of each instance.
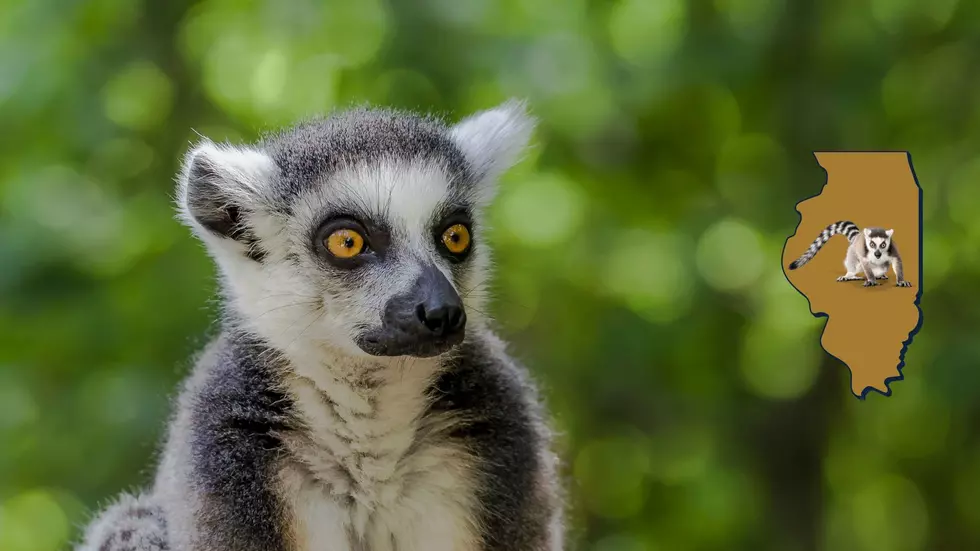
(638, 245)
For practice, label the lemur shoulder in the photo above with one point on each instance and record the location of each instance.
(871, 252)
(356, 397)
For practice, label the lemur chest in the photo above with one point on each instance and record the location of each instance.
(378, 480)
(879, 266)
(425, 501)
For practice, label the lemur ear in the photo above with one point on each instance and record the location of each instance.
(889, 233)
(219, 185)
(493, 140)
(867, 232)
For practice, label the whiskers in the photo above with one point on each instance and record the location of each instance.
(306, 306)
(288, 305)
(280, 352)
(310, 301)
(484, 288)
(302, 333)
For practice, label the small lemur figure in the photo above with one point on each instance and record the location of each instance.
(356, 397)
(871, 255)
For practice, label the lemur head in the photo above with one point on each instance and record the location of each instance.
(878, 241)
(362, 231)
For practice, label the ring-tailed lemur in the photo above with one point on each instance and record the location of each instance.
(355, 398)
(871, 255)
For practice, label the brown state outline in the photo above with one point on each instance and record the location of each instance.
(869, 328)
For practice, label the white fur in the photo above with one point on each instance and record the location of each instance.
(854, 263)
(368, 467)
(245, 173)
(363, 418)
(493, 140)
(423, 501)
(284, 304)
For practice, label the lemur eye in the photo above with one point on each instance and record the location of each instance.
(345, 243)
(456, 238)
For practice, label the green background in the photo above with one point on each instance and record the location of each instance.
(638, 245)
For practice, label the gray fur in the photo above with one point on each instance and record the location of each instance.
(312, 150)
(507, 425)
(131, 523)
(286, 435)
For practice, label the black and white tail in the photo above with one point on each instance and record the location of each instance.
(129, 524)
(845, 228)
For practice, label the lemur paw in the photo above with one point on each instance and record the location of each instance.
(903, 284)
(870, 283)
(883, 276)
(842, 278)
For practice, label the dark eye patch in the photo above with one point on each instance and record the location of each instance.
(376, 241)
(460, 217)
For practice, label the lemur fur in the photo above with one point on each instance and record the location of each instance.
(354, 402)
(871, 254)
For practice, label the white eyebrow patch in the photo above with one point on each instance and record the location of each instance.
(405, 194)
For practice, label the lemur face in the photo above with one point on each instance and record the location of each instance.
(362, 232)
(877, 242)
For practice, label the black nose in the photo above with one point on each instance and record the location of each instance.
(442, 319)
(440, 309)
(877, 254)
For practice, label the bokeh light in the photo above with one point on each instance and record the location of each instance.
(637, 244)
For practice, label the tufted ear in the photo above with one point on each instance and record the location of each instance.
(889, 233)
(219, 185)
(493, 140)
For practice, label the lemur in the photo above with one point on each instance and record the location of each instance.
(356, 397)
(871, 255)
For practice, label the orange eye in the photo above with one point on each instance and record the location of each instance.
(345, 243)
(456, 238)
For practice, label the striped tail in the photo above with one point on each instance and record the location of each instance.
(848, 229)
(129, 524)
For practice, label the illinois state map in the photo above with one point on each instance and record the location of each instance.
(869, 328)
